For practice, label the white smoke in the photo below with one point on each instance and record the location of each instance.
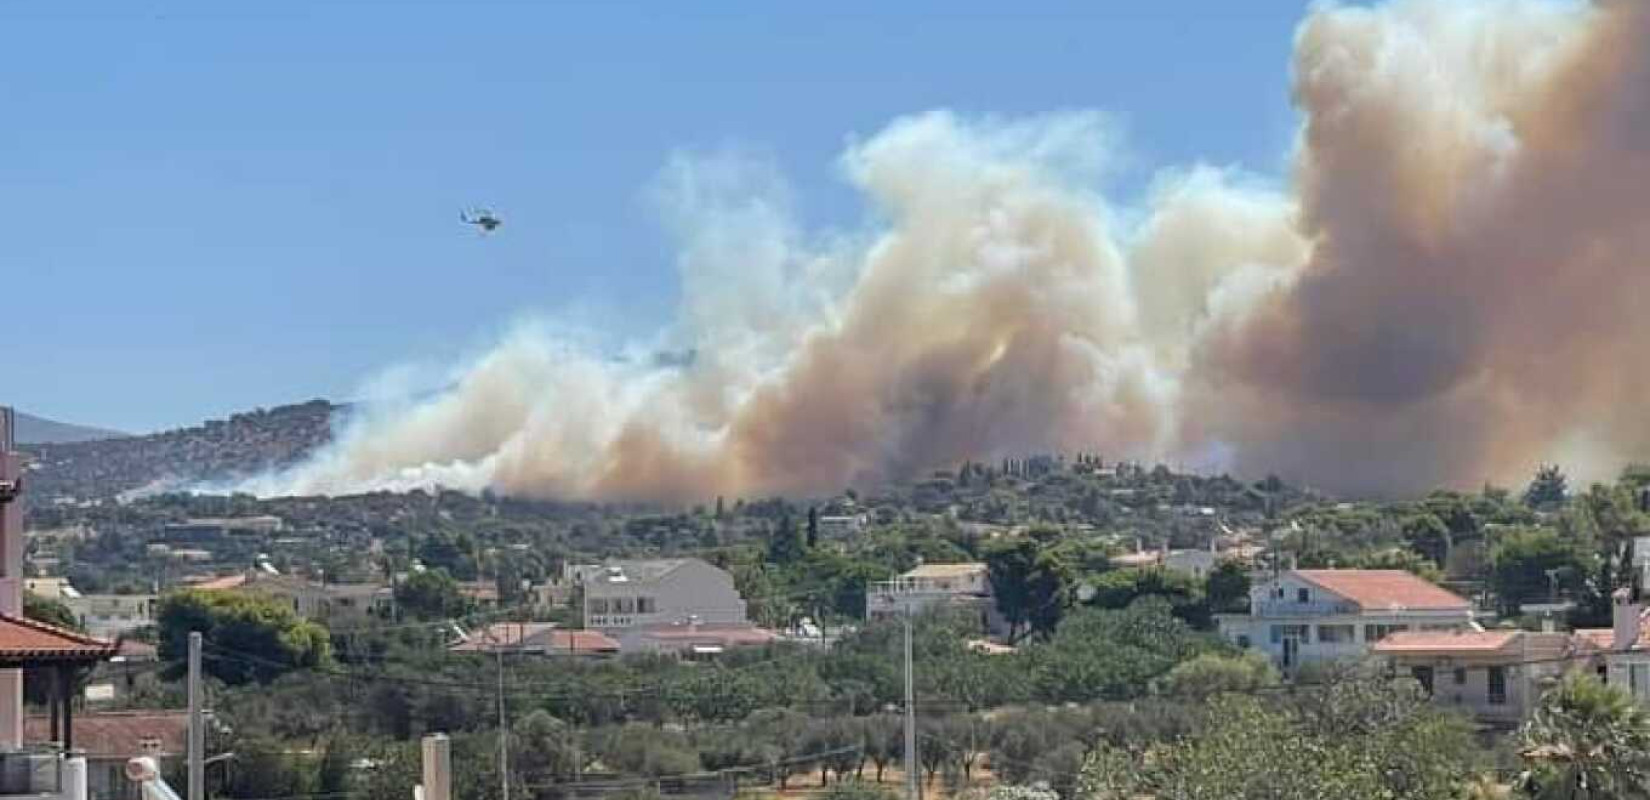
(1397, 315)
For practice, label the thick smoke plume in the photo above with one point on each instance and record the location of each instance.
(1454, 285)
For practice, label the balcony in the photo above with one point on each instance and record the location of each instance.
(1318, 608)
(31, 772)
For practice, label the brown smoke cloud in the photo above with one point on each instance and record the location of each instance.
(1453, 288)
(1475, 182)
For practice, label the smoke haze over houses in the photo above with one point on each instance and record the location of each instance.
(1448, 287)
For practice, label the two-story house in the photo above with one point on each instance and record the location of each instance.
(930, 586)
(1304, 616)
(668, 591)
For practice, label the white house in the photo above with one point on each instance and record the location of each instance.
(1312, 615)
(108, 616)
(671, 591)
(933, 586)
(1496, 676)
(1621, 653)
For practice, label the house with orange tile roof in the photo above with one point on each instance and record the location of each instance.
(536, 638)
(55, 772)
(1620, 654)
(1495, 676)
(1305, 616)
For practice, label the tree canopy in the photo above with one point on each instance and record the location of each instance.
(252, 638)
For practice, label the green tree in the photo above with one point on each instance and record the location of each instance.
(1120, 588)
(884, 737)
(1427, 535)
(785, 543)
(1212, 674)
(1030, 583)
(1548, 490)
(50, 611)
(1587, 741)
(1360, 737)
(1527, 564)
(546, 749)
(251, 638)
(1228, 588)
(1111, 654)
(430, 594)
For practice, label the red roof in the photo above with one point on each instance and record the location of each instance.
(120, 734)
(725, 635)
(1445, 641)
(1380, 589)
(536, 636)
(221, 584)
(28, 640)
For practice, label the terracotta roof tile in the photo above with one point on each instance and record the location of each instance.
(221, 584)
(120, 734)
(728, 635)
(536, 636)
(1445, 641)
(1378, 589)
(946, 570)
(27, 639)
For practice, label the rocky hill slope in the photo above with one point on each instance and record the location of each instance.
(244, 444)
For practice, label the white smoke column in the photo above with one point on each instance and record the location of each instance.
(1451, 289)
(1474, 178)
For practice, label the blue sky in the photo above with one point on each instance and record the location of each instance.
(206, 207)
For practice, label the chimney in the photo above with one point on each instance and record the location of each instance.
(1625, 612)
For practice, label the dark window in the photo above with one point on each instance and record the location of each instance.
(1243, 641)
(1460, 676)
(1424, 675)
(1498, 686)
(1302, 596)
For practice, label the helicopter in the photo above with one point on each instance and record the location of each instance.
(481, 218)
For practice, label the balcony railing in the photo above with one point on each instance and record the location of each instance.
(1316, 608)
(31, 772)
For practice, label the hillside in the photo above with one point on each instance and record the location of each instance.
(39, 430)
(244, 444)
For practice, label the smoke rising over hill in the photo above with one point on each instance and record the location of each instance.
(1450, 288)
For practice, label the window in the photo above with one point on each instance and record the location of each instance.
(1375, 633)
(1636, 674)
(598, 605)
(1498, 686)
(1460, 676)
(1243, 641)
(1424, 676)
(1301, 633)
(624, 605)
(647, 605)
(1303, 596)
(1337, 634)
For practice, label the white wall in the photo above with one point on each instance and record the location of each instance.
(693, 589)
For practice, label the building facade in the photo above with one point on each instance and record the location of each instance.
(110, 616)
(935, 586)
(1308, 616)
(1494, 676)
(660, 592)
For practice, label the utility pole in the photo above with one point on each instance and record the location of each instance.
(197, 726)
(503, 733)
(913, 782)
